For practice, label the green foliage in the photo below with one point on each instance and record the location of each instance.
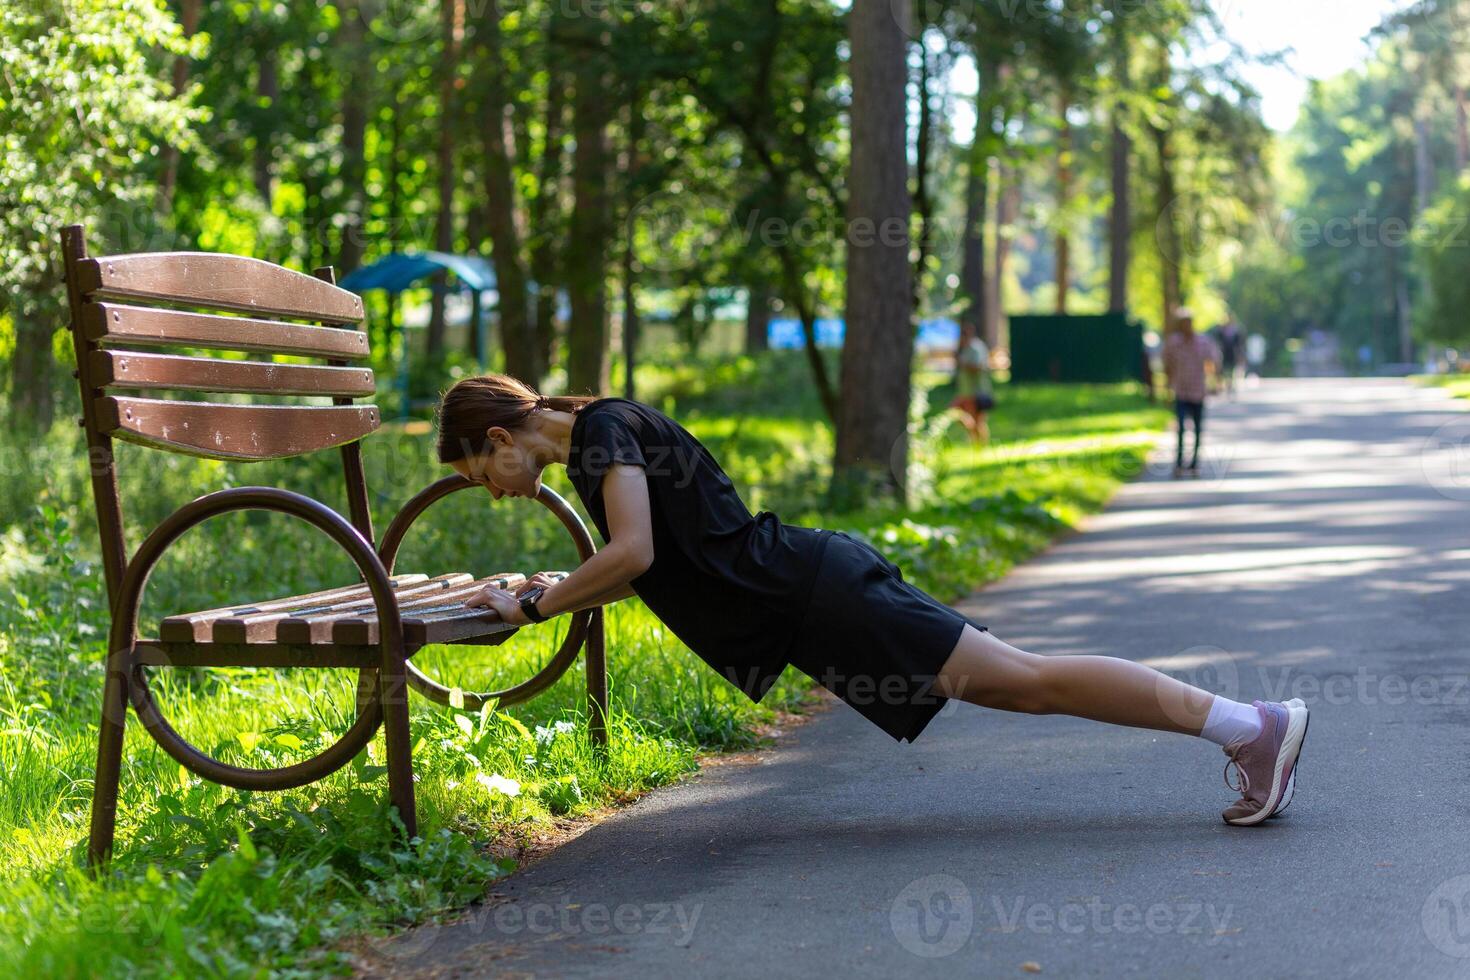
(83, 113)
(1442, 237)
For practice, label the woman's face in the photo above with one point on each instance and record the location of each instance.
(504, 469)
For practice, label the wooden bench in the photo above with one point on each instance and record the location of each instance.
(124, 308)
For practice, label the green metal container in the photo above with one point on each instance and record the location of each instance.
(1103, 348)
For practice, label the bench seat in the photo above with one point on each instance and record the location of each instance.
(337, 627)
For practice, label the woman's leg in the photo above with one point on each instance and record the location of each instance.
(1262, 740)
(982, 427)
(1179, 417)
(987, 671)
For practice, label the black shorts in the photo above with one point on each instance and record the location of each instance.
(874, 640)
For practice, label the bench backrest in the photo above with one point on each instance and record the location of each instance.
(129, 310)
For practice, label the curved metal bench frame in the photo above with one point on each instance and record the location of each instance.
(586, 627)
(250, 286)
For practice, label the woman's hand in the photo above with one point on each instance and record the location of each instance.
(503, 601)
(541, 580)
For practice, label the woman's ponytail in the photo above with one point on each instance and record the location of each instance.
(475, 405)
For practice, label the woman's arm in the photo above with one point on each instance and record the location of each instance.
(623, 591)
(628, 554)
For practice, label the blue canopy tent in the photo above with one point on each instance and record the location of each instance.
(403, 270)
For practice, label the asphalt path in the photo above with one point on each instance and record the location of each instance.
(1323, 554)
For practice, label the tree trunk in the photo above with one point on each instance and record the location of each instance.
(189, 23)
(32, 401)
(1120, 217)
(877, 355)
(1171, 254)
(974, 275)
(267, 89)
(1462, 132)
(500, 209)
(923, 199)
(1064, 203)
(1403, 306)
(632, 323)
(452, 28)
(1007, 207)
(1423, 164)
(587, 245)
(394, 171)
(757, 318)
(793, 282)
(355, 90)
(546, 212)
(972, 262)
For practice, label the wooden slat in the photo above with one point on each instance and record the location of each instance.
(364, 628)
(225, 282)
(195, 626)
(162, 654)
(455, 626)
(301, 625)
(131, 369)
(152, 327)
(321, 629)
(234, 431)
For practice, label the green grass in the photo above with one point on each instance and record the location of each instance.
(209, 881)
(1458, 384)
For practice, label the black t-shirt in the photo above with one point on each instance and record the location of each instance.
(733, 586)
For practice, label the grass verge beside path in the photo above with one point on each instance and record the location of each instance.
(214, 882)
(1458, 384)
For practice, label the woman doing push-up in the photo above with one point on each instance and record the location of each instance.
(750, 594)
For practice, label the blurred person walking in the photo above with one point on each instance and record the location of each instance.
(976, 395)
(1231, 340)
(1187, 358)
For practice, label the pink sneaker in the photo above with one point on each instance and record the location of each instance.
(1291, 780)
(1267, 764)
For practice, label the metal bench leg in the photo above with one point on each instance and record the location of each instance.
(597, 677)
(393, 688)
(109, 757)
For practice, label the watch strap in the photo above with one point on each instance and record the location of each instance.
(528, 606)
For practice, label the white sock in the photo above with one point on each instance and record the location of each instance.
(1231, 722)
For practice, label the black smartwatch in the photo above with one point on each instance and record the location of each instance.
(528, 605)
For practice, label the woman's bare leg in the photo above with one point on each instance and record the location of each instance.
(987, 671)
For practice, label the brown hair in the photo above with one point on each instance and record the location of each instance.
(475, 405)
